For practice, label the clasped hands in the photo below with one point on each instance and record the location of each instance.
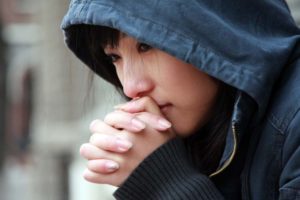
(121, 141)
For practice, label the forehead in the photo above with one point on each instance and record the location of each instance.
(123, 41)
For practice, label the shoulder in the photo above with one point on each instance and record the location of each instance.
(281, 135)
(285, 102)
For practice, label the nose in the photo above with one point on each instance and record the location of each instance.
(136, 81)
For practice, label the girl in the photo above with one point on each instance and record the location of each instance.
(213, 97)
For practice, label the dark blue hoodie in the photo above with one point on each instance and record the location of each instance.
(250, 45)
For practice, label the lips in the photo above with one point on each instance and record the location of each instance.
(164, 107)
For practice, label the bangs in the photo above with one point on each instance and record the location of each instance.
(106, 36)
(88, 43)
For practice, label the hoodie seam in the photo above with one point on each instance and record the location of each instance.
(197, 44)
(283, 124)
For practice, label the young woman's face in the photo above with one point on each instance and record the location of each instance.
(184, 94)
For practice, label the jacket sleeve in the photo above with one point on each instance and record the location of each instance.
(167, 174)
(290, 176)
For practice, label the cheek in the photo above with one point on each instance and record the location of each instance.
(188, 122)
(191, 92)
(195, 106)
(119, 73)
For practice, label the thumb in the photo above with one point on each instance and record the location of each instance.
(143, 104)
(147, 105)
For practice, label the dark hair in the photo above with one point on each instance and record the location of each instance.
(87, 43)
(205, 146)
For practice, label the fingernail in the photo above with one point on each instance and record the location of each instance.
(112, 166)
(123, 145)
(138, 124)
(164, 123)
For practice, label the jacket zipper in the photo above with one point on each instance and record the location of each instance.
(227, 163)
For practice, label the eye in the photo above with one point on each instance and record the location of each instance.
(113, 57)
(142, 47)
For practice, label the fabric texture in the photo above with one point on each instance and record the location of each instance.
(250, 45)
(170, 169)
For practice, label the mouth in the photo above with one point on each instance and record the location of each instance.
(164, 107)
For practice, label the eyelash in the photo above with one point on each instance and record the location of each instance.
(113, 57)
(142, 48)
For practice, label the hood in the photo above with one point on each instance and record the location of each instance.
(243, 43)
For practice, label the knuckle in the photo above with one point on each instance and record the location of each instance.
(83, 150)
(109, 144)
(94, 139)
(124, 134)
(92, 124)
(132, 118)
(90, 152)
(111, 116)
(143, 116)
(145, 100)
(103, 141)
(108, 117)
(129, 118)
(96, 125)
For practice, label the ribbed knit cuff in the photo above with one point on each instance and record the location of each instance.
(167, 174)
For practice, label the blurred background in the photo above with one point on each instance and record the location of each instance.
(46, 105)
